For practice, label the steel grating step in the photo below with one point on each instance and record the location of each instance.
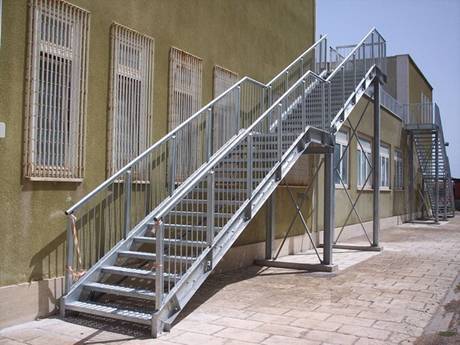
(110, 312)
(171, 241)
(152, 256)
(202, 228)
(136, 272)
(120, 290)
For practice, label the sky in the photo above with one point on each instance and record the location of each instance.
(428, 30)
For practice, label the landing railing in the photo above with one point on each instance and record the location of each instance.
(106, 215)
(419, 114)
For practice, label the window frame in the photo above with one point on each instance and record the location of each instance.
(385, 169)
(131, 75)
(342, 141)
(187, 156)
(365, 150)
(57, 53)
(224, 111)
(399, 169)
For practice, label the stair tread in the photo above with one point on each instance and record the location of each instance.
(110, 311)
(120, 290)
(148, 239)
(152, 256)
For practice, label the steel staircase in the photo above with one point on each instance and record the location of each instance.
(149, 242)
(423, 121)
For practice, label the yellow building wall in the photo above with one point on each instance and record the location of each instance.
(256, 38)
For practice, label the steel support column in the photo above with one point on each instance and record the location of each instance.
(269, 227)
(436, 177)
(445, 199)
(411, 177)
(376, 165)
(329, 199)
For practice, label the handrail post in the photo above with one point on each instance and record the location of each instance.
(210, 208)
(354, 70)
(287, 81)
(323, 107)
(210, 217)
(304, 106)
(209, 134)
(301, 66)
(238, 109)
(127, 211)
(249, 181)
(372, 48)
(280, 132)
(325, 53)
(159, 269)
(270, 96)
(343, 84)
(172, 165)
(70, 257)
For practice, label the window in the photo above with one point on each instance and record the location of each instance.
(384, 166)
(399, 179)
(131, 103)
(341, 154)
(57, 69)
(364, 165)
(185, 84)
(224, 112)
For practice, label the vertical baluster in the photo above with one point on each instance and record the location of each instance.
(279, 132)
(127, 192)
(210, 215)
(159, 270)
(209, 134)
(172, 164)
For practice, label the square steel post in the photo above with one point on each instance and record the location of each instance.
(329, 199)
(445, 199)
(436, 176)
(411, 177)
(269, 227)
(376, 165)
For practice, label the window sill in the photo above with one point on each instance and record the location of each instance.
(340, 186)
(365, 189)
(55, 179)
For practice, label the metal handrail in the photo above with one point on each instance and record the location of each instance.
(347, 58)
(322, 38)
(174, 132)
(208, 169)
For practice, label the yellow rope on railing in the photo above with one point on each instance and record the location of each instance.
(76, 274)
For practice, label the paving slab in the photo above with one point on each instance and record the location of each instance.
(375, 298)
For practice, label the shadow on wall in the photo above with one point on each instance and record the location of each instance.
(50, 258)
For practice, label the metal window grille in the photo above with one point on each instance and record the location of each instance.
(131, 97)
(399, 179)
(364, 168)
(185, 90)
(341, 173)
(225, 110)
(384, 166)
(56, 100)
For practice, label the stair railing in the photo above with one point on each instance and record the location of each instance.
(258, 152)
(106, 215)
(344, 79)
(448, 190)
